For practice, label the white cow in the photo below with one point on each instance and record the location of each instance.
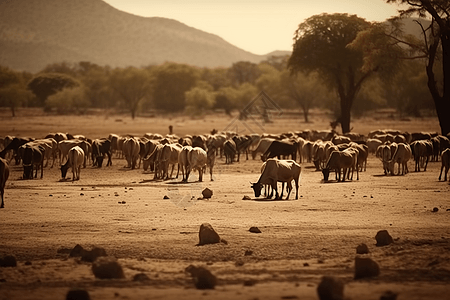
(131, 150)
(75, 161)
(278, 171)
(197, 159)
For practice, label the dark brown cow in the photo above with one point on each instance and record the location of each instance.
(4, 174)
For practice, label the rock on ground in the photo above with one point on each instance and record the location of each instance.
(77, 294)
(203, 278)
(362, 249)
(107, 268)
(330, 288)
(207, 235)
(383, 238)
(365, 267)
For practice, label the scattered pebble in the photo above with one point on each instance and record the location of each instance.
(330, 288)
(254, 229)
(365, 267)
(107, 268)
(203, 278)
(383, 238)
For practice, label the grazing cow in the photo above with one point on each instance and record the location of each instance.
(421, 150)
(340, 160)
(262, 146)
(276, 171)
(199, 141)
(75, 160)
(114, 138)
(100, 148)
(33, 158)
(401, 156)
(4, 174)
(279, 148)
(131, 149)
(216, 141)
(445, 160)
(183, 162)
(197, 158)
(229, 149)
(50, 146)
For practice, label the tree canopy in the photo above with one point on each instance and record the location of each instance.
(321, 45)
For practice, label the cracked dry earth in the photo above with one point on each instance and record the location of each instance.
(124, 211)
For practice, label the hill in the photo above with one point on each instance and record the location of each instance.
(34, 33)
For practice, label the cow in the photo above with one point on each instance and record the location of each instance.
(197, 158)
(50, 146)
(169, 156)
(340, 160)
(183, 162)
(373, 145)
(14, 146)
(401, 156)
(33, 158)
(243, 143)
(100, 148)
(262, 146)
(421, 150)
(281, 148)
(278, 171)
(229, 149)
(445, 161)
(65, 145)
(131, 149)
(75, 160)
(363, 153)
(114, 138)
(211, 159)
(4, 174)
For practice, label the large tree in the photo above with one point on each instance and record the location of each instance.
(321, 45)
(436, 43)
(132, 85)
(44, 85)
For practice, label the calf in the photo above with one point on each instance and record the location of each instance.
(445, 160)
(75, 160)
(4, 174)
(278, 171)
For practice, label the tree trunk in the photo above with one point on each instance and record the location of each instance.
(306, 114)
(345, 115)
(13, 111)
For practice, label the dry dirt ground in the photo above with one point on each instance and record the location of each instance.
(124, 211)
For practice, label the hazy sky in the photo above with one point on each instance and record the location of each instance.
(257, 26)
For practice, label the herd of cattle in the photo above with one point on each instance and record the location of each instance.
(281, 154)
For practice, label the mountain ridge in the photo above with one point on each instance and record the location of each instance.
(35, 33)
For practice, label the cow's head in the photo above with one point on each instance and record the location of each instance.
(64, 169)
(326, 174)
(257, 187)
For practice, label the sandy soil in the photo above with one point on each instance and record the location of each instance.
(124, 211)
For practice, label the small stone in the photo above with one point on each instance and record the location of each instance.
(141, 277)
(8, 261)
(203, 278)
(92, 255)
(435, 209)
(76, 251)
(166, 197)
(330, 288)
(383, 238)
(77, 294)
(388, 295)
(365, 267)
(207, 235)
(254, 229)
(362, 249)
(107, 268)
(305, 264)
(81, 194)
(248, 252)
(246, 198)
(28, 263)
(207, 193)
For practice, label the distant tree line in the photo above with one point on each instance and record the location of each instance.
(339, 62)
